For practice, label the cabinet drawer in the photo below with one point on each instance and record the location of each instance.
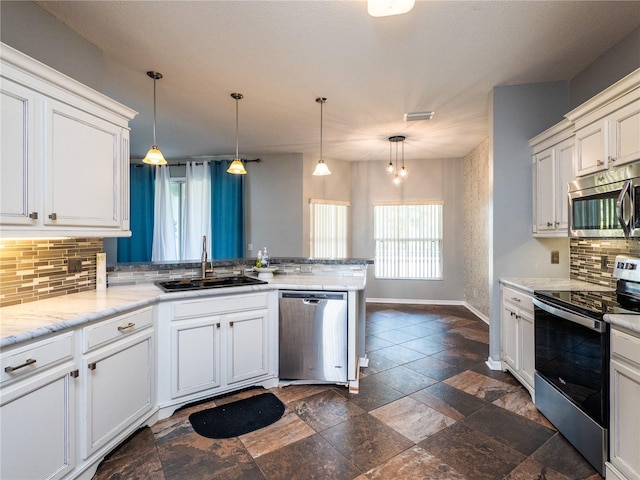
(219, 305)
(625, 345)
(109, 330)
(519, 299)
(37, 356)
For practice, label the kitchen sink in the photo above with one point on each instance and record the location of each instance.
(202, 284)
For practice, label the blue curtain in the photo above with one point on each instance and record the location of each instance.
(137, 248)
(227, 212)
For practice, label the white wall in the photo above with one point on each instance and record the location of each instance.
(428, 179)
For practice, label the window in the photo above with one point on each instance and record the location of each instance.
(177, 189)
(408, 240)
(329, 235)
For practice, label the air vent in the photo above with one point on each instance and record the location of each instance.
(412, 116)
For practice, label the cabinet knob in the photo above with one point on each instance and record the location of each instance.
(53, 216)
(75, 373)
(556, 223)
(599, 163)
(611, 159)
(92, 366)
(218, 325)
(231, 324)
(33, 215)
(549, 224)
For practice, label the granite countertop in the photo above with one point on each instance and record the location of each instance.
(22, 323)
(630, 322)
(529, 285)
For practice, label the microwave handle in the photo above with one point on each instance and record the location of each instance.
(624, 192)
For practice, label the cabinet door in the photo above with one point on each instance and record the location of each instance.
(82, 168)
(624, 127)
(527, 344)
(591, 148)
(37, 428)
(17, 150)
(119, 387)
(195, 352)
(247, 345)
(545, 198)
(564, 175)
(625, 417)
(509, 329)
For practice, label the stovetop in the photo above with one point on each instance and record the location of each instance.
(625, 299)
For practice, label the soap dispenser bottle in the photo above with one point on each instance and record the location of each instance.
(259, 259)
(265, 258)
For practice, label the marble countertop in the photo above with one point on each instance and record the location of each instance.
(529, 285)
(22, 323)
(630, 322)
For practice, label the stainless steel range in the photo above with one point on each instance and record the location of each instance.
(572, 358)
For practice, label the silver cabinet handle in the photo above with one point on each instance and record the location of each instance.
(611, 159)
(515, 299)
(29, 361)
(231, 324)
(218, 325)
(53, 216)
(549, 224)
(599, 163)
(122, 328)
(33, 215)
(92, 366)
(75, 373)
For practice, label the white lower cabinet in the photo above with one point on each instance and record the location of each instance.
(216, 344)
(518, 336)
(624, 419)
(38, 410)
(196, 358)
(118, 389)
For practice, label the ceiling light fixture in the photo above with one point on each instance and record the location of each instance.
(398, 174)
(384, 8)
(321, 167)
(154, 155)
(412, 116)
(236, 167)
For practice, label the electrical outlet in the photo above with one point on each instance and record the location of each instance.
(74, 265)
(604, 262)
(555, 256)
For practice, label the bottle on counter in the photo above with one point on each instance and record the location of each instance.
(259, 259)
(265, 258)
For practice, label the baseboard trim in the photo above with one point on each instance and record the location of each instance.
(494, 364)
(477, 313)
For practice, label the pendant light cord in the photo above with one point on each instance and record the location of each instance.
(237, 128)
(321, 102)
(154, 112)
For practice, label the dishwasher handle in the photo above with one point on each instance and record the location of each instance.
(314, 297)
(311, 301)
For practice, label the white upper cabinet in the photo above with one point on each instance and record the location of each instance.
(607, 127)
(552, 171)
(65, 154)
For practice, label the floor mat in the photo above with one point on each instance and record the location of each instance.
(238, 418)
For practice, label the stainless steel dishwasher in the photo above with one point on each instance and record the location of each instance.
(313, 336)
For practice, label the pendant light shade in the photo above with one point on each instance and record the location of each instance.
(237, 167)
(321, 167)
(154, 155)
(398, 173)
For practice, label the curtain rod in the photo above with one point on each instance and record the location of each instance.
(256, 160)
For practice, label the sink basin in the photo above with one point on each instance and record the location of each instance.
(201, 284)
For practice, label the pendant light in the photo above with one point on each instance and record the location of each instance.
(321, 167)
(384, 8)
(398, 174)
(236, 167)
(154, 155)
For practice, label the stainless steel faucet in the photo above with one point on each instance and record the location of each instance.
(203, 266)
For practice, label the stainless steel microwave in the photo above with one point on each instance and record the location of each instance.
(606, 204)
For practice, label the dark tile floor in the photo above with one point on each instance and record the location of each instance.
(428, 408)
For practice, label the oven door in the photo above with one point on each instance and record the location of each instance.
(572, 354)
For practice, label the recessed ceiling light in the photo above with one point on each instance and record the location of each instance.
(384, 8)
(409, 117)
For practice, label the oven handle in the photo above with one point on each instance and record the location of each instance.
(590, 323)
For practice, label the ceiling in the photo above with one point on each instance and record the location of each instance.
(444, 56)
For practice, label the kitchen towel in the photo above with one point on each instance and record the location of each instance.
(237, 418)
(101, 271)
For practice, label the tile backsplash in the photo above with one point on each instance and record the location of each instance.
(586, 258)
(36, 269)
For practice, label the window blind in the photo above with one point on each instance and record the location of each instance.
(408, 240)
(329, 235)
